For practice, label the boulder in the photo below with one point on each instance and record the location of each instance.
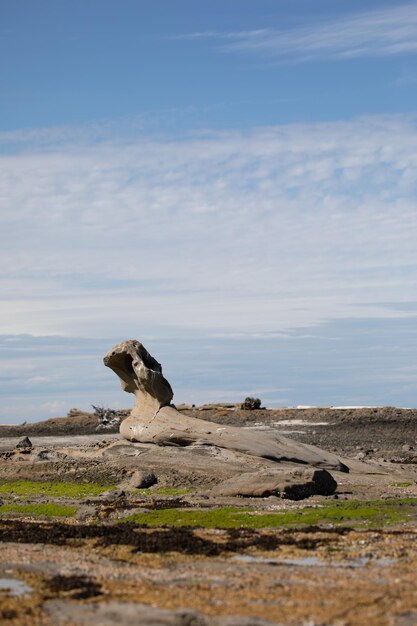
(24, 443)
(293, 484)
(141, 479)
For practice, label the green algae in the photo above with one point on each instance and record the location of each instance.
(375, 514)
(52, 489)
(163, 491)
(402, 484)
(49, 509)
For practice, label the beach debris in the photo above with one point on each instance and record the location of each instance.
(108, 418)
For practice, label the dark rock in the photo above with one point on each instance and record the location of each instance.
(43, 455)
(140, 480)
(24, 443)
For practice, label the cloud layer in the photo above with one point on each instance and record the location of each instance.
(279, 262)
(377, 33)
(249, 232)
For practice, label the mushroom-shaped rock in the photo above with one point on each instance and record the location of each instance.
(154, 420)
(140, 374)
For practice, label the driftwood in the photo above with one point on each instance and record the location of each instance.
(155, 420)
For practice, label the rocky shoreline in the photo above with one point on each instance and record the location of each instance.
(97, 529)
(388, 433)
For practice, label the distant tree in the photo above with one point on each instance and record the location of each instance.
(250, 404)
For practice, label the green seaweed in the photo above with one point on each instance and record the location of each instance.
(402, 484)
(49, 509)
(52, 489)
(376, 513)
(163, 491)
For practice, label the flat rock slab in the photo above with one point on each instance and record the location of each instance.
(132, 614)
(206, 470)
(58, 441)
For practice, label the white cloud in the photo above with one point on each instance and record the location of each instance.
(378, 33)
(254, 232)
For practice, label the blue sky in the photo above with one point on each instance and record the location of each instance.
(225, 64)
(233, 183)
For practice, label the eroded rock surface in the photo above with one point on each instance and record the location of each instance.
(155, 420)
(132, 614)
(293, 485)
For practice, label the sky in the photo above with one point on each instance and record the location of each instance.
(232, 183)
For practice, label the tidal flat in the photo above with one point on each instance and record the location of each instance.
(82, 543)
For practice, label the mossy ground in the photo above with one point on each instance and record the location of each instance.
(402, 484)
(52, 489)
(49, 509)
(371, 513)
(163, 491)
(376, 513)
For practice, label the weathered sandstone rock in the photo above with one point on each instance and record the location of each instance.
(155, 420)
(294, 484)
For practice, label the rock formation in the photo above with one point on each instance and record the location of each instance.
(155, 420)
